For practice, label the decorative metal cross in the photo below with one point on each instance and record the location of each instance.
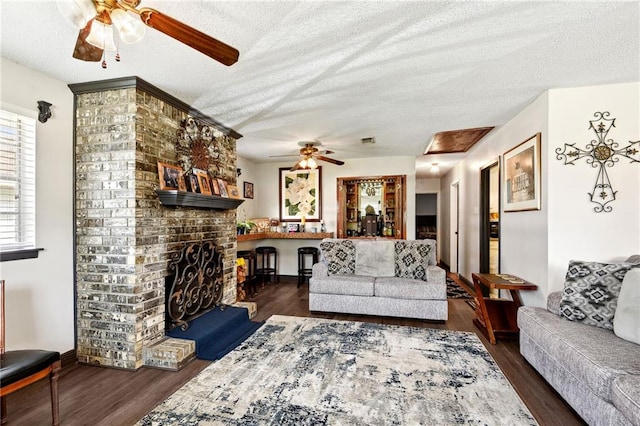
(600, 153)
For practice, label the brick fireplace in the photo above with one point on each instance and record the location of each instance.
(124, 236)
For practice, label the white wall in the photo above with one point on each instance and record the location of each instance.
(40, 292)
(267, 182)
(537, 245)
(575, 230)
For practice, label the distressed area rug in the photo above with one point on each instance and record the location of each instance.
(309, 371)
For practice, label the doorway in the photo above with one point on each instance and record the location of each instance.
(490, 219)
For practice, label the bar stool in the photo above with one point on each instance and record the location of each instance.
(249, 257)
(267, 263)
(303, 270)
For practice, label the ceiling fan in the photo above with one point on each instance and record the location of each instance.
(309, 154)
(96, 19)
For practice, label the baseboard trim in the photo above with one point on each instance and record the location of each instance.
(69, 358)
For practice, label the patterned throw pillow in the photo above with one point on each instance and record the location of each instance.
(591, 290)
(411, 259)
(340, 256)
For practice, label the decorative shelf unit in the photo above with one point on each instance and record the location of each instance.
(285, 236)
(191, 199)
(388, 203)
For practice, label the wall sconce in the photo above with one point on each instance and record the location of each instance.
(44, 109)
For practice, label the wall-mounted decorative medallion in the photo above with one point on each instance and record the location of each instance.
(600, 153)
(196, 146)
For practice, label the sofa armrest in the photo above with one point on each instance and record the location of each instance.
(319, 270)
(436, 275)
(553, 302)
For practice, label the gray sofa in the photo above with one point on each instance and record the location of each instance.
(396, 278)
(595, 371)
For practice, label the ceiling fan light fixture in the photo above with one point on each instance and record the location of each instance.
(101, 36)
(77, 12)
(311, 163)
(130, 29)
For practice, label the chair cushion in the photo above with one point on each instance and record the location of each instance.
(407, 288)
(17, 365)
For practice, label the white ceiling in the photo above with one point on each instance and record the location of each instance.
(338, 72)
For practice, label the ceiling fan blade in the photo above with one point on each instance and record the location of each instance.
(329, 160)
(198, 40)
(85, 51)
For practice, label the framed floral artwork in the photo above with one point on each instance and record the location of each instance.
(521, 176)
(300, 195)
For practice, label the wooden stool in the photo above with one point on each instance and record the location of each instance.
(303, 270)
(267, 262)
(249, 257)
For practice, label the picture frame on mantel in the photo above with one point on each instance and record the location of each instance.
(300, 195)
(521, 169)
(171, 177)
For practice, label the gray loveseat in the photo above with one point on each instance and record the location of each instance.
(594, 370)
(396, 278)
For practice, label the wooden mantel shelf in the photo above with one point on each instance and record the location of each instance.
(191, 199)
(286, 236)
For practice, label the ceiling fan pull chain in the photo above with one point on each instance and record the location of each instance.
(104, 61)
(117, 49)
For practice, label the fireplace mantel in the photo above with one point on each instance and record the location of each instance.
(192, 199)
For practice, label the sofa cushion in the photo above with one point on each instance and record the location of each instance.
(375, 258)
(595, 356)
(633, 259)
(356, 285)
(626, 397)
(626, 322)
(340, 256)
(590, 294)
(407, 288)
(412, 259)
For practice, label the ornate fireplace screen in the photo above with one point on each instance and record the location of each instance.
(194, 284)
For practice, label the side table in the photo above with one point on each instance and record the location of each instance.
(497, 318)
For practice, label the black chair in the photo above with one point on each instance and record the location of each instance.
(21, 368)
(303, 269)
(249, 257)
(267, 262)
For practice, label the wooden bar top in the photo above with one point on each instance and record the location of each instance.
(285, 236)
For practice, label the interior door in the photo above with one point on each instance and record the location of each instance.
(455, 225)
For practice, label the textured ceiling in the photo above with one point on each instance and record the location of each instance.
(338, 72)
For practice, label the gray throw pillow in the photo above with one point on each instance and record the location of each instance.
(340, 256)
(412, 259)
(591, 290)
(626, 323)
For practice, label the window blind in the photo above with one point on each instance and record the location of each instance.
(17, 182)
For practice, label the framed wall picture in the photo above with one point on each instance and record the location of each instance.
(521, 176)
(300, 195)
(203, 182)
(248, 190)
(171, 177)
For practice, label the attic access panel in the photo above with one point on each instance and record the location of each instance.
(454, 141)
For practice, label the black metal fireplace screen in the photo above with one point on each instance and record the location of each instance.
(195, 283)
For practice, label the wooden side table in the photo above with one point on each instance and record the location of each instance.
(497, 318)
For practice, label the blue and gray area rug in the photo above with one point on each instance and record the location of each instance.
(310, 371)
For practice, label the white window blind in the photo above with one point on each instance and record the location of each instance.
(17, 182)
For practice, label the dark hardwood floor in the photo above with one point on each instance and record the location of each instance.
(104, 396)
